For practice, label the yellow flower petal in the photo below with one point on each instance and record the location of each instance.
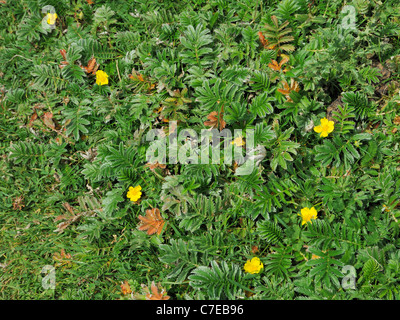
(324, 134)
(101, 78)
(325, 127)
(331, 126)
(308, 214)
(324, 121)
(304, 211)
(318, 129)
(134, 193)
(238, 141)
(253, 266)
(51, 18)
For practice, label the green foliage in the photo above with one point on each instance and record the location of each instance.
(279, 34)
(270, 232)
(337, 152)
(322, 235)
(324, 269)
(279, 263)
(28, 153)
(359, 102)
(70, 149)
(219, 281)
(195, 41)
(182, 256)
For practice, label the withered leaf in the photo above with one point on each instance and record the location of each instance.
(264, 41)
(62, 259)
(71, 217)
(215, 119)
(136, 76)
(48, 120)
(126, 288)
(34, 116)
(63, 64)
(64, 54)
(92, 66)
(18, 203)
(152, 222)
(334, 106)
(155, 295)
(153, 166)
(62, 255)
(68, 207)
(294, 86)
(274, 65)
(254, 249)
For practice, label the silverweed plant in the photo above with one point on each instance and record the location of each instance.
(307, 91)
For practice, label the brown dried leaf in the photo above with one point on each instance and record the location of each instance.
(61, 256)
(215, 119)
(126, 288)
(68, 207)
(92, 66)
(34, 116)
(254, 249)
(71, 217)
(263, 41)
(18, 203)
(61, 217)
(62, 259)
(152, 222)
(64, 54)
(137, 77)
(385, 73)
(155, 165)
(274, 65)
(47, 119)
(155, 295)
(294, 86)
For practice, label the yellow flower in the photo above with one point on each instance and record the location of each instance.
(134, 193)
(253, 266)
(308, 214)
(325, 127)
(238, 141)
(51, 18)
(101, 78)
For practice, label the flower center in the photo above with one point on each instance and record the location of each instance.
(325, 127)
